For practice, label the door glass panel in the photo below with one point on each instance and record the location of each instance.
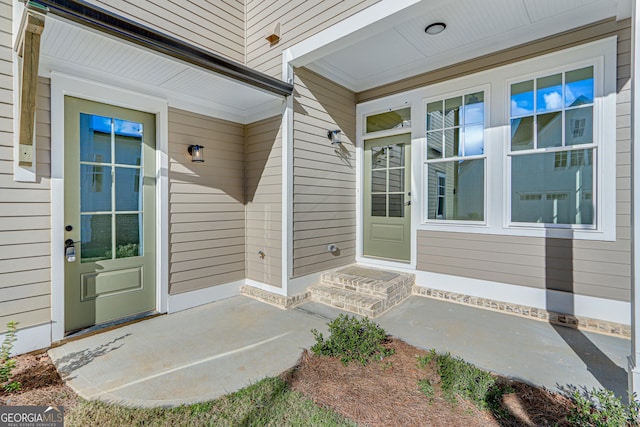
(95, 138)
(396, 155)
(128, 142)
(128, 235)
(378, 157)
(95, 188)
(379, 181)
(96, 237)
(396, 205)
(396, 180)
(378, 205)
(128, 189)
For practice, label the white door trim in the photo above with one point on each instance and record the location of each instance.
(61, 86)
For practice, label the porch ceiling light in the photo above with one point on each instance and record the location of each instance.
(435, 28)
(196, 153)
(334, 136)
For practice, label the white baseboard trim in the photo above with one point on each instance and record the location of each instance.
(198, 297)
(550, 300)
(31, 338)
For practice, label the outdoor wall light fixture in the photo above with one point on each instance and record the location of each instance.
(196, 153)
(334, 136)
(435, 28)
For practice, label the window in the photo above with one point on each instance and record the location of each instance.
(552, 148)
(455, 159)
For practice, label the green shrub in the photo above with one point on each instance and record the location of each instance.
(426, 388)
(352, 339)
(7, 363)
(601, 408)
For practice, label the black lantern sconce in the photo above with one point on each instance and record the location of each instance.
(334, 136)
(196, 153)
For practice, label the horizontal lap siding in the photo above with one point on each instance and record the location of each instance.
(324, 192)
(298, 19)
(217, 26)
(206, 203)
(25, 208)
(263, 177)
(593, 268)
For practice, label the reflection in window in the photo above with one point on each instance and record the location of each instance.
(456, 190)
(395, 119)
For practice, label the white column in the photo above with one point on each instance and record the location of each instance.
(634, 359)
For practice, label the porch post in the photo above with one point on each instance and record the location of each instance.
(634, 359)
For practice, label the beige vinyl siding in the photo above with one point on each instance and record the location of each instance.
(263, 177)
(217, 26)
(324, 192)
(206, 202)
(25, 224)
(593, 268)
(299, 19)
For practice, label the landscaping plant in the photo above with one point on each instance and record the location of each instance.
(7, 363)
(601, 408)
(352, 339)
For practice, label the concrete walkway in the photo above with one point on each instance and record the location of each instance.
(203, 353)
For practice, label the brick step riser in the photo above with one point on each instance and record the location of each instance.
(366, 289)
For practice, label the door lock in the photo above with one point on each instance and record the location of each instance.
(70, 250)
(407, 203)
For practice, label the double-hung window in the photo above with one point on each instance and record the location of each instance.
(552, 149)
(455, 158)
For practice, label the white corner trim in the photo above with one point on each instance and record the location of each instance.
(191, 299)
(287, 184)
(31, 338)
(561, 302)
(61, 86)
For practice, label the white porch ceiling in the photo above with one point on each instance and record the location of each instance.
(396, 47)
(70, 49)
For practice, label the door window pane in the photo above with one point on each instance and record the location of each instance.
(378, 158)
(379, 181)
(378, 205)
(128, 235)
(128, 189)
(545, 188)
(95, 188)
(396, 180)
(95, 138)
(456, 190)
(396, 155)
(95, 237)
(396, 205)
(128, 142)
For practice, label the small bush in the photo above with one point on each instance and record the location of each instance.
(601, 408)
(7, 363)
(352, 339)
(426, 388)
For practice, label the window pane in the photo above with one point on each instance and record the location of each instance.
(95, 138)
(95, 237)
(396, 155)
(128, 189)
(578, 87)
(378, 157)
(128, 235)
(434, 115)
(95, 188)
(462, 183)
(389, 120)
(522, 134)
(550, 130)
(434, 145)
(474, 108)
(579, 126)
(543, 190)
(549, 93)
(474, 140)
(522, 99)
(378, 205)
(396, 180)
(452, 112)
(396, 205)
(452, 143)
(128, 141)
(379, 181)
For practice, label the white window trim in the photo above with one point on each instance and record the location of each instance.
(497, 139)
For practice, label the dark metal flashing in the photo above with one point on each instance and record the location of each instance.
(108, 22)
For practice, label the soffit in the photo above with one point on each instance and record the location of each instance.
(396, 46)
(75, 50)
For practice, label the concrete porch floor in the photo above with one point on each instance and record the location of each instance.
(205, 352)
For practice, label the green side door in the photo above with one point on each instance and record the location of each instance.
(387, 198)
(109, 188)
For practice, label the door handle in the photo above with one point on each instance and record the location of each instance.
(407, 203)
(70, 250)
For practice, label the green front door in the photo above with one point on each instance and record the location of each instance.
(387, 198)
(109, 178)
